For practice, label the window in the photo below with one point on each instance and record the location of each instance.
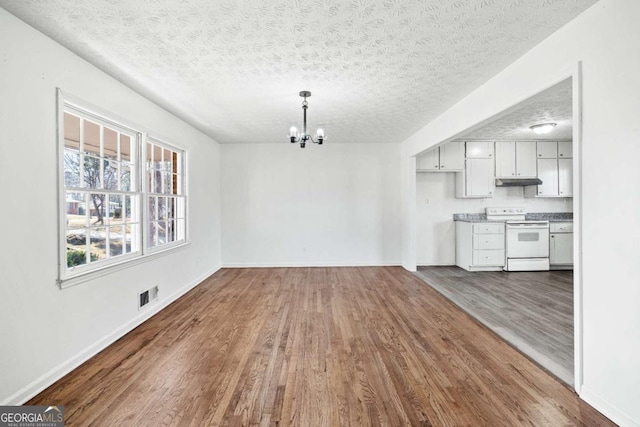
(116, 207)
(164, 194)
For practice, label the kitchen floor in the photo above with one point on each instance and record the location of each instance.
(532, 311)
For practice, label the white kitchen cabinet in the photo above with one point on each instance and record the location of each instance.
(515, 159)
(565, 149)
(478, 176)
(547, 149)
(477, 179)
(452, 156)
(479, 150)
(429, 161)
(505, 159)
(556, 172)
(526, 166)
(561, 245)
(548, 173)
(480, 246)
(448, 157)
(565, 177)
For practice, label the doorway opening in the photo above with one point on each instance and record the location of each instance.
(466, 260)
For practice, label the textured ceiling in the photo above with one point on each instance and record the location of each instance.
(379, 70)
(552, 105)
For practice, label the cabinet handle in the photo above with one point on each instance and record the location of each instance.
(518, 174)
(513, 174)
(561, 155)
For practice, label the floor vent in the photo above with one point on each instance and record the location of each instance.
(147, 296)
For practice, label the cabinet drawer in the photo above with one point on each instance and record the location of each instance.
(488, 228)
(488, 257)
(561, 227)
(488, 241)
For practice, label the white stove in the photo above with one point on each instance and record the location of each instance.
(527, 241)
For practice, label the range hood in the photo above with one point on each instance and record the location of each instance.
(517, 182)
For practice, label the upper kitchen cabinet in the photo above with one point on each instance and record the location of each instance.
(448, 157)
(515, 159)
(478, 177)
(565, 177)
(555, 171)
(547, 149)
(479, 150)
(429, 161)
(565, 149)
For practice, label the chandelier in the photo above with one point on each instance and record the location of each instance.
(294, 136)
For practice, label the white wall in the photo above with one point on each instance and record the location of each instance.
(606, 39)
(436, 204)
(45, 331)
(336, 204)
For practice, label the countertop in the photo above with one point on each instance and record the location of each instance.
(548, 216)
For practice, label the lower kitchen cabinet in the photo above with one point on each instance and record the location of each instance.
(480, 246)
(561, 245)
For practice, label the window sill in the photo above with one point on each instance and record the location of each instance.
(93, 274)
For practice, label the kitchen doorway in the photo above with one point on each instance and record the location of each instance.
(532, 310)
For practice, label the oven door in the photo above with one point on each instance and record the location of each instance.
(527, 240)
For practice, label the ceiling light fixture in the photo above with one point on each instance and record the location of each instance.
(543, 128)
(294, 136)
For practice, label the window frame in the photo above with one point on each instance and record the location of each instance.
(70, 277)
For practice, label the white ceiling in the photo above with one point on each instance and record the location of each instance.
(552, 105)
(379, 70)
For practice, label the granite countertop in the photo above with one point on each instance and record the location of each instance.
(549, 216)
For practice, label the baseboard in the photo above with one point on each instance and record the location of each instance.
(607, 409)
(436, 264)
(309, 264)
(35, 387)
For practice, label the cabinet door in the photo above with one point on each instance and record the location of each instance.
(452, 156)
(565, 177)
(565, 149)
(480, 181)
(429, 161)
(561, 248)
(479, 150)
(547, 149)
(548, 173)
(526, 166)
(506, 159)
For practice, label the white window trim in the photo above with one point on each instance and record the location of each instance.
(66, 278)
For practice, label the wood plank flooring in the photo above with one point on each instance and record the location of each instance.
(533, 311)
(314, 347)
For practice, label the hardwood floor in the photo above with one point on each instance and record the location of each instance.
(314, 347)
(533, 311)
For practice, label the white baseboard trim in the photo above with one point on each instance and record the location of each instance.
(607, 409)
(44, 381)
(309, 264)
(436, 264)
